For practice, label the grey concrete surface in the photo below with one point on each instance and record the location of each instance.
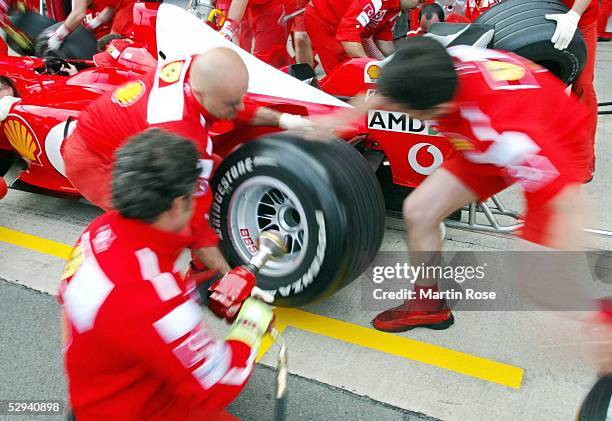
(31, 367)
(549, 347)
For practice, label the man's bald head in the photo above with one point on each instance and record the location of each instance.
(219, 80)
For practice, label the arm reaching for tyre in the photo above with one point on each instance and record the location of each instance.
(567, 23)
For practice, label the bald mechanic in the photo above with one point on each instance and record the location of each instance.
(183, 97)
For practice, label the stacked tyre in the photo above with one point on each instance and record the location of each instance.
(521, 27)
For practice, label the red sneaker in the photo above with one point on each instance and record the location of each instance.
(404, 317)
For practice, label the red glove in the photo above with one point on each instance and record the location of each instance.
(228, 293)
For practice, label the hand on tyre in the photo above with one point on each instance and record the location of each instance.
(229, 29)
(57, 38)
(567, 23)
(262, 295)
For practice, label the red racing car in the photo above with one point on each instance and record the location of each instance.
(327, 199)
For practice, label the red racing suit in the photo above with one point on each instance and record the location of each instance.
(583, 87)
(163, 99)
(122, 19)
(331, 22)
(135, 345)
(513, 122)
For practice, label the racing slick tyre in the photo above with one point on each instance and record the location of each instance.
(322, 197)
(81, 44)
(31, 24)
(521, 28)
(597, 404)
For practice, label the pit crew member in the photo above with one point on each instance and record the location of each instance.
(510, 121)
(339, 29)
(429, 13)
(119, 12)
(184, 97)
(135, 344)
(583, 14)
(260, 32)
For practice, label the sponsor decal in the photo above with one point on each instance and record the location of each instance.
(461, 144)
(372, 72)
(113, 51)
(171, 72)
(502, 71)
(104, 239)
(399, 122)
(74, 262)
(21, 136)
(415, 161)
(248, 240)
(129, 93)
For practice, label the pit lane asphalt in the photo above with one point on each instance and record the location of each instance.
(31, 364)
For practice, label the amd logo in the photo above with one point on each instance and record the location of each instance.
(398, 122)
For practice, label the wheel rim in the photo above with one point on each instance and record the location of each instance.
(262, 203)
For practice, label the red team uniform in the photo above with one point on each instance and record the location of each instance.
(514, 123)
(331, 22)
(135, 344)
(122, 19)
(162, 99)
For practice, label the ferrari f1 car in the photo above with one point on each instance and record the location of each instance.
(326, 198)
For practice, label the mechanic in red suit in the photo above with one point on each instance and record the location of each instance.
(342, 29)
(117, 11)
(510, 121)
(256, 22)
(184, 97)
(605, 16)
(135, 345)
(583, 14)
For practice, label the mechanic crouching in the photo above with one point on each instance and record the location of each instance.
(135, 345)
(184, 97)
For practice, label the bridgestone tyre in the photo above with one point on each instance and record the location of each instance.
(324, 199)
(31, 24)
(81, 44)
(520, 27)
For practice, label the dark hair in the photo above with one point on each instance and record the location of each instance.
(430, 9)
(5, 81)
(152, 169)
(106, 39)
(420, 75)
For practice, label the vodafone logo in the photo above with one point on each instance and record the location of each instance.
(418, 162)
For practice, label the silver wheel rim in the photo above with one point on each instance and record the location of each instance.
(261, 203)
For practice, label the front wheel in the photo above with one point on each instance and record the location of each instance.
(322, 197)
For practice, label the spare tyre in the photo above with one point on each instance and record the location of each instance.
(31, 24)
(323, 198)
(520, 27)
(81, 44)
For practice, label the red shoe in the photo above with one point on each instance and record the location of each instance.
(403, 318)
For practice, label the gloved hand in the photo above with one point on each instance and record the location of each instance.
(6, 103)
(229, 293)
(57, 38)
(252, 323)
(567, 23)
(292, 121)
(229, 29)
(93, 24)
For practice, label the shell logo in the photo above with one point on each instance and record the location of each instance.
(74, 262)
(504, 72)
(171, 72)
(129, 93)
(374, 72)
(22, 138)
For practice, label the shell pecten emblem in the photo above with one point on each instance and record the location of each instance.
(171, 72)
(129, 93)
(372, 72)
(22, 138)
(502, 71)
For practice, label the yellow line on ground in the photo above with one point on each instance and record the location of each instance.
(32, 242)
(448, 359)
